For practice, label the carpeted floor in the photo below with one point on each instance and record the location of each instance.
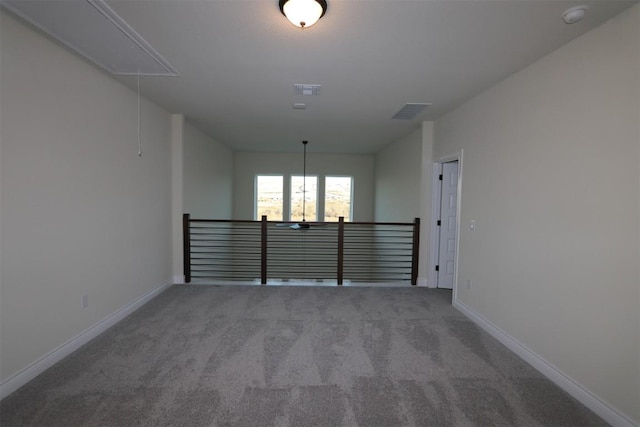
(294, 356)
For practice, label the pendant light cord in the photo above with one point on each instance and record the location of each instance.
(304, 181)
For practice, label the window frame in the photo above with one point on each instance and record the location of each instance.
(317, 196)
(324, 198)
(255, 196)
(287, 192)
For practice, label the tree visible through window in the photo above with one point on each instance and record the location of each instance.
(337, 198)
(269, 197)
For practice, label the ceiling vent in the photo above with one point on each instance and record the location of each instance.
(410, 111)
(304, 89)
(92, 29)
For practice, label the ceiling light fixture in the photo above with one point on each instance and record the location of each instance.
(574, 14)
(303, 13)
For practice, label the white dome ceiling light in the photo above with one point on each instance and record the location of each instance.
(303, 13)
(574, 14)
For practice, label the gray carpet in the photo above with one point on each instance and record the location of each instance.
(294, 356)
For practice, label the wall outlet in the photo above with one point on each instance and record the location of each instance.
(84, 301)
(468, 284)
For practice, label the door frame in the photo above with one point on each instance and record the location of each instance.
(434, 243)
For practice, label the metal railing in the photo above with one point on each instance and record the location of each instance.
(334, 252)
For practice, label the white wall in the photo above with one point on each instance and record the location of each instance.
(249, 164)
(398, 178)
(208, 176)
(81, 213)
(552, 175)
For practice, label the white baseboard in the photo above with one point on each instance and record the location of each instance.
(178, 280)
(22, 377)
(578, 391)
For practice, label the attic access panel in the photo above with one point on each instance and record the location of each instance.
(95, 31)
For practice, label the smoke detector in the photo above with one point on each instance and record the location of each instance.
(574, 14)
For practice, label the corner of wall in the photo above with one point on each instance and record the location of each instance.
(27, 374)
(603, 409)
(425, 202)
(177, 143)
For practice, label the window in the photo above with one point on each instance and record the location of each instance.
(337, 198)
(307, 200)
(269, 197)
(325, 198)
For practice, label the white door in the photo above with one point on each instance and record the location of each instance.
(448, 209)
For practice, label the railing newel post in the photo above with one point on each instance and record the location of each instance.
(263, 251)
(340, 250)
(186, 247)
(415, 252)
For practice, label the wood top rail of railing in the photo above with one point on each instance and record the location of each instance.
(346, 223)
(224, 220)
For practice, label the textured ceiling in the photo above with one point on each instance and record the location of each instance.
(239, 61)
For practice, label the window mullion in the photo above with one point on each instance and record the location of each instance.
(320, 198)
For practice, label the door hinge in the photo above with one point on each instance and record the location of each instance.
(437, 268)
(440, 177)
(439, 223)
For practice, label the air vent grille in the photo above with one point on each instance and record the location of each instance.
(410, 111)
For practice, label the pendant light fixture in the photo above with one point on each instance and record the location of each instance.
(303, 225)
(303, 13)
